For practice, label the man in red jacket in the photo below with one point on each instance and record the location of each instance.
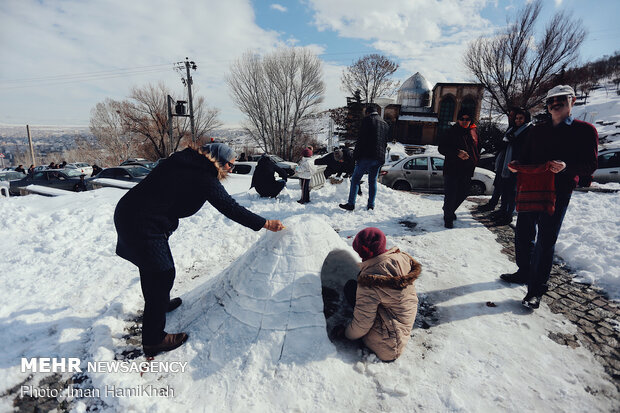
(568, 148)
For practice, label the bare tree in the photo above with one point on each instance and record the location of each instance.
(145, 115)
(513, 67)
(276, 92)
(370, 76)
(109, 127)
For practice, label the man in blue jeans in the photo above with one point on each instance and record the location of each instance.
(568, 148)
(369, 155)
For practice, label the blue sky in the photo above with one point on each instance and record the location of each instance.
(59, 58)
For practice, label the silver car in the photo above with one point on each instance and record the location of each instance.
(608, 166)
(425, 173)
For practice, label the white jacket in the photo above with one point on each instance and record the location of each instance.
(305, 169)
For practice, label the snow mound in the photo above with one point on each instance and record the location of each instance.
(269, 301)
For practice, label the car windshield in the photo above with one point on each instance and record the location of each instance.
(72, 172)
(139, 171)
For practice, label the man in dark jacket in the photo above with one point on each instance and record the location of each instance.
(369, 155)
(149, 213)
(460, 147)
(264, 179)
(568, 148)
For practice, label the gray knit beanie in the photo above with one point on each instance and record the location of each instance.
(220, 151)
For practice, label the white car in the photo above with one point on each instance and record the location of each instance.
(424, 172)
(84, 168)
(244, 168)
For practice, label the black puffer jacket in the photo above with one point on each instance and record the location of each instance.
(373, 138)
(454, 139)
(177, 188)
(263, 179)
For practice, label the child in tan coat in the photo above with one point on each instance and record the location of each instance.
(384, 297)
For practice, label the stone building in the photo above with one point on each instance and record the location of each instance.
(421, 113)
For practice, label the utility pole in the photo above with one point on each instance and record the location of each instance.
(188, 82)
(30, 143)
(189, 94)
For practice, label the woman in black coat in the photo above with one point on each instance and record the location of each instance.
(149, 213)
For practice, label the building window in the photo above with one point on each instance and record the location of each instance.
(469, 104)
(446, 113)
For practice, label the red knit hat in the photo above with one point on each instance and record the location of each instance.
(369, 243)
(307, 152)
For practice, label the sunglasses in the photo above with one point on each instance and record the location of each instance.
(559, 99)
(465, 119)
(230, 165)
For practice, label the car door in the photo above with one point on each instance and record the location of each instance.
(608, 168)
(436, 179)
(416, 172)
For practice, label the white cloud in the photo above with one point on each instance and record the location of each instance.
(278, 7)
(428, 36)
(49, 39)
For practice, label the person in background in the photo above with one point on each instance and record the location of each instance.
(499, 164)
(149, 213)
(96, 170)
(20, 168)
(304, 171)
(369, 155)
(383, 298)
(553, 157)
(460, 147)
(31, 169)
(264, 179)
(513, 140)
(242, 157)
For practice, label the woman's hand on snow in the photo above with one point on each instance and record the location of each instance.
(274, 225)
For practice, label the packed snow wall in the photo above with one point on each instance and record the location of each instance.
(269, 301)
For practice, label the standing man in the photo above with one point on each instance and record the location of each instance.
(460, 147)
(369, 155)
(564, 148)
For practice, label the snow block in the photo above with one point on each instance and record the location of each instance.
(269, 301)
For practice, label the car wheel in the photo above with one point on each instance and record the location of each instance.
(77, 188)
(477, 188)
(402, 186)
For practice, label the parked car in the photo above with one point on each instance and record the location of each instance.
(289, 167)
(11, 175)
(141, 162)
(244, 168)
(487, 161)
(425, 173)
(132, 173)
(84, 168)
(608, 166)
(67, 179)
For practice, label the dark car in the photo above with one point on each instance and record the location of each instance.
(11, 176)
(141, 162)
(67, 179)
(132, 173)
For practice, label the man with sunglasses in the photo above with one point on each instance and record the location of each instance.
(460, 147)
(568, 148)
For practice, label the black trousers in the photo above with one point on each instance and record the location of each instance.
(156, 286)
(272, 189)
(456, 189)
(305, 190)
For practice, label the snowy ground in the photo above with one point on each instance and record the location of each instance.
(68, 295)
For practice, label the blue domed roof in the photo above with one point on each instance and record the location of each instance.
(415, 92)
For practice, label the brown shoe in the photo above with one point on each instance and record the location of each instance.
(170, 342)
